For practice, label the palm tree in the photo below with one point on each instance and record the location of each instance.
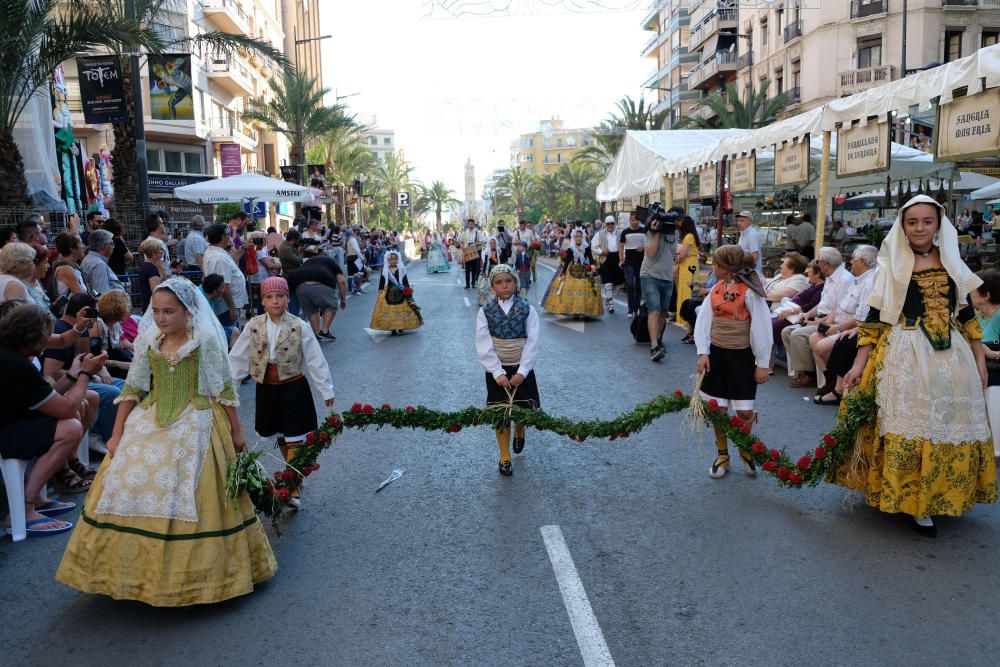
(392, 176)
(609, 135)
(152, 20)
(581, 181)
(345, 157)
(438, 197)
(516, 185)
(38, 36)
(296, 109)
(548, 188)
(755, 110)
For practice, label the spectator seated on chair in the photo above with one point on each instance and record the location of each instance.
(36, 421)
(986, 300)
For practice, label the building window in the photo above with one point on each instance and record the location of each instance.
(373, 141)
(172, 162)
(990, 37)
(387, 141)
(559, 142)
(192, 163)
(763, 32)
(796, 73)
(546, 143)
(558, 157)
(869, 52)
(952, 45)
(779, 81)
(153, 160)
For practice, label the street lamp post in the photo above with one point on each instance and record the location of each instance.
(304, 41)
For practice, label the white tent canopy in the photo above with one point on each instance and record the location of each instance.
(989, 192)
(968, 181)
(244, 187)
(638, 167)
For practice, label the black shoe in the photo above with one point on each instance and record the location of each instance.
(518, 445)
(505, 469)
(657, 353)
(327, 335)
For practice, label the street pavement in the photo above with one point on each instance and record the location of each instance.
(453, 564)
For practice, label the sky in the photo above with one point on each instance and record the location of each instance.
(454, 88)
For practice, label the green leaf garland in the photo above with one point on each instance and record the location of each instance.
(269, 494)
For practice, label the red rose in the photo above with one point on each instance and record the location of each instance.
(758, 448)
(769, 466)
(736, 421)
(333, 420)
(678, 393)
(410, 408)
(284, 493)
(288, 475)
(829, 440)
(324, 437)
(803, 463)
(783, 473)
(367, 409)
(277, 475)
(745, 428)
(356, 407)
(562, 253)
(713, 405)
(820, 453)
(386, 406)
(795, 478)
(775, 454)
(588, 267)
(407, 291)
(311, 439)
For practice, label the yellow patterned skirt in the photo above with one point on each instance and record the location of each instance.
(573, 296)
(393, 317)
(929, 452)
(168, 562)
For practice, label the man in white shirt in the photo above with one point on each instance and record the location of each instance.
(471, 240)
(851, 311)
(804, 236)
(604, 246)
(528, 235)
(218, 260)
(796, 340)
(750, 238)
(195, 243)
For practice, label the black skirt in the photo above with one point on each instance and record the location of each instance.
(731, 375)
(285, 409)
(525, 396)
(842, 355)
(611, 272)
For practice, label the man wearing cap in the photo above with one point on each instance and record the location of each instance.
(605, 249)
(750, 238)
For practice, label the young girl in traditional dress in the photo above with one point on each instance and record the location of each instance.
(507, 345)
(157, 526)
(437, 260)
(489, 259)
(394, 307)
(929, 451)
(276, 350)
(575, 290)
(733, 338)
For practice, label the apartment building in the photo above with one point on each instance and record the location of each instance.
(817, 51)
(379, 140)
(668, 49)
(551, 146)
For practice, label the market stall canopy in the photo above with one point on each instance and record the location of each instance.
(244, 187)
(989, 192)
(968, 181)
(638, 167)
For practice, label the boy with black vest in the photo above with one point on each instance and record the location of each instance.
(507, 345)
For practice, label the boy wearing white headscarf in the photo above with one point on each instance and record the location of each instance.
(507, 346)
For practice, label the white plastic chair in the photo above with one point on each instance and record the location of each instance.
(13, 478)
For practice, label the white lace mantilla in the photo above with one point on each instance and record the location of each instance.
(155, 470)
(930, 394)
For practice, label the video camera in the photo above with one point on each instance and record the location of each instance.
(656, 219)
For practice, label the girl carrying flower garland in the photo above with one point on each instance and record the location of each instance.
(507, 345)
(733, 337)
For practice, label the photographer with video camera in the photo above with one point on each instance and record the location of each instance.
(657, 271)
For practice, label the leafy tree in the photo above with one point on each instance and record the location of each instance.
(580, 181)
(437, 198)
(548, 189)
(346, 158)
(516, 186)
(609, 135)
(754, 110)
(392, 176)
(38, 36)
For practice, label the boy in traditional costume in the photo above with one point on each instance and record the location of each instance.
(507, 345)
(277, 349)
(733, 337)
(522, 264)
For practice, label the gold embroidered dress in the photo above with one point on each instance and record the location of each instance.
(393, 310)
(575, 289)
(929, 451)
(157, 526)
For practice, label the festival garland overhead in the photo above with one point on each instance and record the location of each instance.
(269, 494)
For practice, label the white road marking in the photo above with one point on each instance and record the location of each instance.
(589, 637)
(468, 304)
(377, 336)
(459, 282)
(575, 325)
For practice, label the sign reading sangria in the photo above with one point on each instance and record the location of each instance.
(968, 128)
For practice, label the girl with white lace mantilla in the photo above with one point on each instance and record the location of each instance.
(157, 526)
(575, 290)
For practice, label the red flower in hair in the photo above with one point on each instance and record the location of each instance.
(562, 253)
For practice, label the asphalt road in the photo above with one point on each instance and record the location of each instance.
(448, 564)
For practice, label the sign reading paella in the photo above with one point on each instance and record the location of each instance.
(863, 150)
(968, 127)
(743, 173)
(791, 163)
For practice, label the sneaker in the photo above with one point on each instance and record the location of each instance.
(719, 467)
(656, 353)
(327, 335)
(96, 444)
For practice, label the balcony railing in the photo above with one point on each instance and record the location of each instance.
(710, 25)
(655, 43)
(744, 60)
(228, 13)
(793, 30)
(722, 62)
(223, 128)
(854, 81)
(864, 8)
